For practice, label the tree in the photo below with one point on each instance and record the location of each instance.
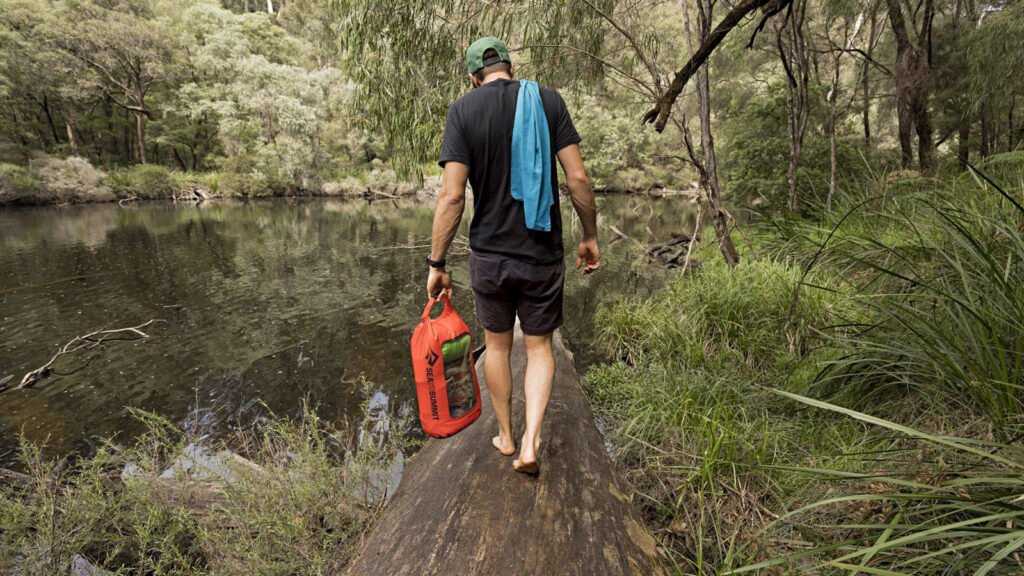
(246, 78)
(844, 21)
(790, 39)
(913, 80)
(127, 55)
(708, 169)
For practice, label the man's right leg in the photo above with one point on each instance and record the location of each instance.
(498, 374)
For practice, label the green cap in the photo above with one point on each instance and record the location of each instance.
(475, 53)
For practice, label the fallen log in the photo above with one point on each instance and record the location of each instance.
(460, 508)
(673, 253)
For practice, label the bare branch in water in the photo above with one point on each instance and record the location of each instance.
(90, 340)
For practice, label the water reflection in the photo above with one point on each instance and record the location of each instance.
(265, 304)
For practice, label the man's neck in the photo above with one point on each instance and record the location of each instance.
(496, 76)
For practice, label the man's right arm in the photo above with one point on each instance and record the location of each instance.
(583, 202)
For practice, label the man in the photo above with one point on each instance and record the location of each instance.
(515, 270)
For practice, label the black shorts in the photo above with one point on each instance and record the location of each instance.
(505, 287)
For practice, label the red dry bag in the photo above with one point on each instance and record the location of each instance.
(442, 360)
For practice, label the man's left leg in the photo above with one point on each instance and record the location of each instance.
(540, 373)
(498, 376)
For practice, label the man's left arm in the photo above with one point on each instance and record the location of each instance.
(451, 203)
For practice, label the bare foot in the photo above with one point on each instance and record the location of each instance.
(505, 446)
(527, 461)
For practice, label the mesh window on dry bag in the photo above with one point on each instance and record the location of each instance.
(447, 390)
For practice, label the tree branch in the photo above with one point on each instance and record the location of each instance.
(660, 113)
(90, 340)
(636, 46)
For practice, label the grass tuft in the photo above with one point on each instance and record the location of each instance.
(297, 503)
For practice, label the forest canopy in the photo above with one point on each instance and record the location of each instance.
(304, 96)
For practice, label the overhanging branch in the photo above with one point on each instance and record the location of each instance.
(660, 113)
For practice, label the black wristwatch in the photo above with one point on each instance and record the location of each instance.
(439, 264)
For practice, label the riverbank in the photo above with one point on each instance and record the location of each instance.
(848, 396)
(293, 497)
(50, 180)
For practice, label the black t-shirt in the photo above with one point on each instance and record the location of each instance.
(478, 133)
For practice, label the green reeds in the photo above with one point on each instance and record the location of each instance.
(960, 515)
(941, 311)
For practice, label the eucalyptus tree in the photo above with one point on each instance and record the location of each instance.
(912, 30)
(840, 36)
(993, 58)
(40, 81)
(248, 78)
(127, 54)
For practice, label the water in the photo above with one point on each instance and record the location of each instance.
(261, 305)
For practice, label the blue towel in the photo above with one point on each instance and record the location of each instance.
(531, 158)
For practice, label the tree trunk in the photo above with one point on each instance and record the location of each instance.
(964, 139)
(178, 159)
(913, 83)
(1009, 126)
(905, 121)
(985, 136)
(576, 517)
(866, 114)
(925, 144)
(17, 124)
(793, 52)
(49, 119)
(140, 136)
(866, 81)
(833, 180)
(789, 40)
(69, 127)
(719, 216)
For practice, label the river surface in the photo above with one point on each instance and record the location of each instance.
(260, 306)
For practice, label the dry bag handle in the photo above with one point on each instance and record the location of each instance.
(430, 305)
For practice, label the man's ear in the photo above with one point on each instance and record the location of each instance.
(512, 69)
(472, 81)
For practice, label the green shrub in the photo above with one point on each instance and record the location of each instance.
(70, 179)
(299, 505)
(146, 181)
(244, 176)
(17, 185)
(748, 315)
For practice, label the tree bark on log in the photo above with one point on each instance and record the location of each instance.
(461, 509)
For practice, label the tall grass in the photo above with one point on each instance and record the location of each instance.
(937, 282)
(166, 505)
(906, 300)
(700, 440)
(965, 517)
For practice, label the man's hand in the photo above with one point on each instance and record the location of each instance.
(439, 281)
(588, 254)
